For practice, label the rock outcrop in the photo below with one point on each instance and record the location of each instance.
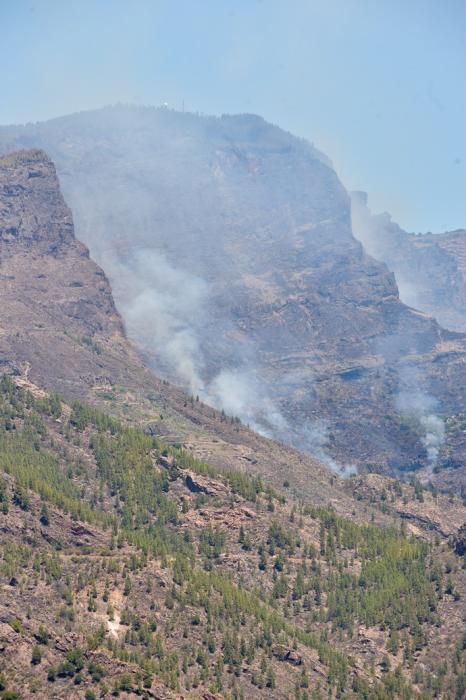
(57, 315)
(459, 541)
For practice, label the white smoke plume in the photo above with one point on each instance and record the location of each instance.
(317, 438)
(434, 436)
(162, 306)
(241, 394)
(166, 310)
(414, 402)
(381, 237)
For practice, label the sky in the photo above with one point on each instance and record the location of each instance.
(378, 85)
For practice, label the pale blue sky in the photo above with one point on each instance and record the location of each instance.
(379, 85)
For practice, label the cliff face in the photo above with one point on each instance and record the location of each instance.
(454, 242)
(229, 247)
(55, 300)
(430, 269)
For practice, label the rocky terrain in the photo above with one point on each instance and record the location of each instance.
(161, 549)
(229, 247)
(128, 568)
(454, 243)
(430, 269)
(60, 330)
(54, 298)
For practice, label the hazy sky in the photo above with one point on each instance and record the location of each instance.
(379, 85)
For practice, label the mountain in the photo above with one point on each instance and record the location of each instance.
(229, 247)
(132, 567)
(430, 269)
(454, 242)
(60, 331)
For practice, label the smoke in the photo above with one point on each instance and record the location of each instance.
(166, 311)
(412, 401)
(317, 436)
(428, 275)
(162, 306)
(243, 393)
(150, 182)
(385, 241)
(366, 228)
(240, 393)
(434, 436)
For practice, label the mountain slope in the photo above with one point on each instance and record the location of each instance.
(60, 330)
(228, 244)
(130, 567)
(54, 298)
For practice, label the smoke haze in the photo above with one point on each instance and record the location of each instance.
(229, 247)
(428, 276)
(162, 307)
(415, 403)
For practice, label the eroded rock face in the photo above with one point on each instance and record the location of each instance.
(230, 251)
(55, 301)
(60, 331)
(32, 212)
(430, 269)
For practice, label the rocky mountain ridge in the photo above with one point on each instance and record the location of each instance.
(229, 247)
(51, 290)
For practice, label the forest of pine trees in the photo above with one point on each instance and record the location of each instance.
(198, 604)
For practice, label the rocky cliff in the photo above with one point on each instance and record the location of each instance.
(55, 299)
(229, 246)
(430, 269)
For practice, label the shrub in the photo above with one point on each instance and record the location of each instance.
(16, 625)
(36, 656)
